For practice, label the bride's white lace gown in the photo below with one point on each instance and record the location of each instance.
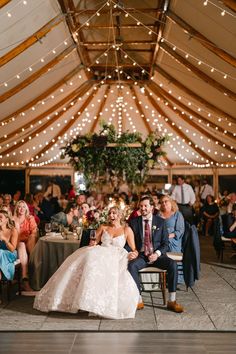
(93, 279)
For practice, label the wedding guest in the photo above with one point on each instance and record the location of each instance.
(1, 200)
(7, 202)
(69, 217)
(210, 212)
(184, 196)
(205, 190)
(232, 201)
(175, 227)
(53, 189)
(8, 244)
(151, 240)
(16, 197)
(27, 230)
(95, 278)
(71, 192)
(80, 199)
(230, 224)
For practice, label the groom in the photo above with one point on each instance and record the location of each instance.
(152, 227)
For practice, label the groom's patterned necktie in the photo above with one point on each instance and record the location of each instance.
(147, 237)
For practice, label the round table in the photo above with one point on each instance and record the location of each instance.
(47, 256)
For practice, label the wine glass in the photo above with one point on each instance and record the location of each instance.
(48, 227)
(79, 232)
(151, 250)
(92, 236)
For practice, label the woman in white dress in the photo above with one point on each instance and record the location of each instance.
(95, 278)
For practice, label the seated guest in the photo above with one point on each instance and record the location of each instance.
(8, 244)
(7, 203)
(69, 217)
(174, 222)
(27, 230)
(175, 226)
(156, 203)
(210, 212)
(230, 224)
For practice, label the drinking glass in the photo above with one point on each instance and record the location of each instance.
(92, 235)
(151, 250)
(48, 227)
(79, 232)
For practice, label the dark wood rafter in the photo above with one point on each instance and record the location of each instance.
(66, 127)
(173, 126)
(101, 106)
(68, 7)
(192, 94)
(144, 119)
(42, 127)
(231, 4)
(198, 127)
(3, 3)
(159, 30)
(197, 72)
(122, 26)
(202, 39)
(31, 40)
(37, 74)
(130, 10)
(154, 87)
(45, 94)
(69, 98)
(108, 44)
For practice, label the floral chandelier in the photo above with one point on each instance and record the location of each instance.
(101, 157)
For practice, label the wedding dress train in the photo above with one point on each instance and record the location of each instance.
(93, 279)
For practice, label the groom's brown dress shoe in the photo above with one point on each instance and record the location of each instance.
(140, 306)
(173, 306)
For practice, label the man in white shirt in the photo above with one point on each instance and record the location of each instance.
(184, 196)
(205, 190)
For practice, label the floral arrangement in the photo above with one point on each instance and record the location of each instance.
(108, 154)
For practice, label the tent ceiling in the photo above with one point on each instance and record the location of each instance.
(65, 64)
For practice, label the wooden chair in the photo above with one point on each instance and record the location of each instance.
(160, 279)
(6, 285)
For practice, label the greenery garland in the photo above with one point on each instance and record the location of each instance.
(107, 154)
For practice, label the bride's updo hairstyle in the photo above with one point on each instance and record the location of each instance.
(119, 212)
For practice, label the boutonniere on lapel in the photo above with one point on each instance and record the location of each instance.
(154, 228)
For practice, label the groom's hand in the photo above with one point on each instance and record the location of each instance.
(153, 257)
(132, 255)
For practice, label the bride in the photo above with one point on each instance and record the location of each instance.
(95, 278)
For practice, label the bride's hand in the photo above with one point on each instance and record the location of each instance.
(92, 243)
(132, 255)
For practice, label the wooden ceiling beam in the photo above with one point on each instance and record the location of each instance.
(45, 94)
(125, 49)
(193, 95)
(198, 127)
(109, 44)
(127, 9)
(160, 25)
(36, 75)
(66, 127)
(102, 104)
(231, 4)
(3, 3)
(215, 84)
(30, 40)
(120, 65)
(170, 98)
(205, 42)
(188, 141)
(122, 26)
(72, 96)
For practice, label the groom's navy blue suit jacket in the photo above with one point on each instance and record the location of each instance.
(159, 233)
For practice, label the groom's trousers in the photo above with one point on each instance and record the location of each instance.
(162, 262)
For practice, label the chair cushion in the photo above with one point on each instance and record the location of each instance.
(176, 256)
(152, 270)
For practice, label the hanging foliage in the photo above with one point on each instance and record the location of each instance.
(107, 154)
